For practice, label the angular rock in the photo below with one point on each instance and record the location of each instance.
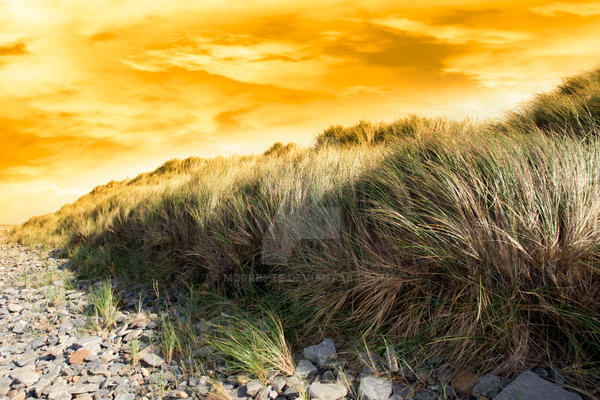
(327, 377)
(79, 356)
(530, 386)
(89, 341)
(489, 386)
(42, 384)
(17, 395)
(253, 387)
(19, 327)
(28, 358)
(321, 353)
(14, 308)
(5, 383)
(26, 377)
(305, 369)
(327, 391)
(278, 384)
(425, 395)
(84, 388)
(152, 360)
(125, 396)
(59, 392)
(373, 388)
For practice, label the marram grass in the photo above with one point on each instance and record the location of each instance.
(477, 241)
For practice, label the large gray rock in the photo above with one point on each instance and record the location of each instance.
(530, 386)
(327, 391)
(373, 388)
(305, 369)
(489, 386)
(322, 353)
(253, 387)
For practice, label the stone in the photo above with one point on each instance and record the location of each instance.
(530, 386)
(178, 394)
(488, 386)
(41, 385)
(28, 358)
(152, 360)
(321, 353)
(139, 323)
(402, 391)
(278, 384)
(19, 327)
(17, 395)
(327, 377)
(5, 383)
(305, 369)
(14, 308)
(26, 377)
(253, 387)
(422, 394)
(373, 388)
(444, 373)
(59, 392)
(125, 396)
(84, 388)
(463, 381)
(79, 356)
(327, 391)
(89, 341)
(391, 361)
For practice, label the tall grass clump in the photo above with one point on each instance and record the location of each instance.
(476, 248)
(257, 346)
(573, 109)
(369, 133)
(105, 305)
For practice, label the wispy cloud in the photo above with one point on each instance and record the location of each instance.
(583, 9)
(14, 49)
(454, 34)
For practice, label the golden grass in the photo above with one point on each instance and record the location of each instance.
(478, 241)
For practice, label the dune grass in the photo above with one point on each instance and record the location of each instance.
(105, 305)
(256, 346)
(477, 241)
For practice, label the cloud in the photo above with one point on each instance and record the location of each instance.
(28, 154)
(453, 34)
(15, 49)
(230, 120)
(465, 16)
(240, 57)
(104, 92)
(582, 9)
(102, 36)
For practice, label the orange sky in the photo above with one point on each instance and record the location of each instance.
(97, 90)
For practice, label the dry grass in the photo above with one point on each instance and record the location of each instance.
(476, 241)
